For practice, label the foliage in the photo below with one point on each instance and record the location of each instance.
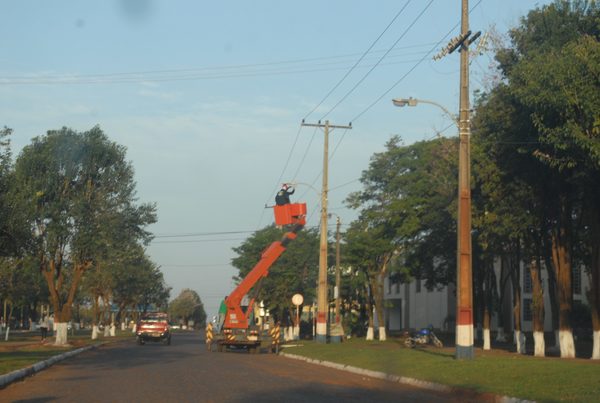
(188, 306)
(78, 193)
(408, 200)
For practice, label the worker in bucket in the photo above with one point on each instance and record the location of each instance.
(283, 196)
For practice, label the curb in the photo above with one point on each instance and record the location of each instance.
(19, 374)
(438, 387)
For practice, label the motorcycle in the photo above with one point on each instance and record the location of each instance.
(424, 336)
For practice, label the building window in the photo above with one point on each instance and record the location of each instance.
(577, 280)
(418, 285)
(527, 310)
(527, 287)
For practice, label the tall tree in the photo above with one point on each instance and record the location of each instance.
(75, 185)
(562, 101)
(188, 306)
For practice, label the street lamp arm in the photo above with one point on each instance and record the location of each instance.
(414, 101)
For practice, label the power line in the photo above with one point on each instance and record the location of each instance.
(201, 240)
(305, 154)
(202, 234)
(217, 68)
(380, 60)
(358, 61)
(262, 214)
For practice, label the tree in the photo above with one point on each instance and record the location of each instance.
(408, 205)
(188, 306)
(75, 187)
(558, 152)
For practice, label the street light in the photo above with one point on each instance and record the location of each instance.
(401, 102)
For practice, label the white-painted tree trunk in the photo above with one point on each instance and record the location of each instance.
(596, 351)
(500, 336)
(370, 333)
(134, 328)
(7, 333)
(94, 332)
(61, 332)
(487, 345)
(106, 331)
(539, 344)
(520, 341)
(113, 330)
(123, 326)
(296, 332)
(567, 344)
(288, 333)
(382, 334)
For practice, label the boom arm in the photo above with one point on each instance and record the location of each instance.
(290, 213)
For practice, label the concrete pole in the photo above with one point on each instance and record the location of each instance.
(464, 288)
(339, 333)
(322, 299)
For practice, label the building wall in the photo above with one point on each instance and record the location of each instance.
(412, 306)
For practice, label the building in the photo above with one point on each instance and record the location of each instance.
(413, 306)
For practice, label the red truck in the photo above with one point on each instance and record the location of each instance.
(153, 327)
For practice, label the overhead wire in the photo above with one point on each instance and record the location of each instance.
(289, 157)
(132, 78)
(379, 61)
(431, 50)
(357, 61)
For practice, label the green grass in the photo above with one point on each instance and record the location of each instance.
(25, 349)
(541, 379)
(13, 360)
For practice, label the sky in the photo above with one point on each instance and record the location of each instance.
(208, 98)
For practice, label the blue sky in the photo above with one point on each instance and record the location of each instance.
(208, 98)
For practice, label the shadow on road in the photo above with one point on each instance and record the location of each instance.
(335, 394)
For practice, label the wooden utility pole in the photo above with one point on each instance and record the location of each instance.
(464, 280)
(322, 300)
(464, 272)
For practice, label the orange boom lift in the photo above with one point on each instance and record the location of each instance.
(237, 331)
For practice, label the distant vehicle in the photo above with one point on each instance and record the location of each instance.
(153, 327)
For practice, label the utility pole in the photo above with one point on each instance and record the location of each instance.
(338, 275)
(464, 273)
(464, 289)
(322, 300)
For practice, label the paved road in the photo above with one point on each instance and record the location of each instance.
(186, 372)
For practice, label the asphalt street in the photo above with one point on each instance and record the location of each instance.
(186, 372)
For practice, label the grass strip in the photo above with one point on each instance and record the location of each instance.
(525, 377)
(24, 351)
